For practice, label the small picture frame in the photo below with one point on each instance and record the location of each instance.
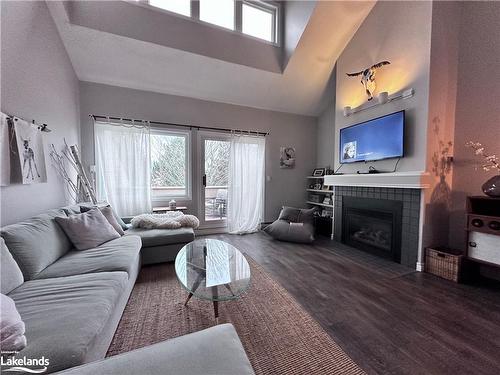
(318, 172)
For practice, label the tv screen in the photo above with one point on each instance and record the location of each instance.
(376, 139)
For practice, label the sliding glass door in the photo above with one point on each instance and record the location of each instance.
(214, 165)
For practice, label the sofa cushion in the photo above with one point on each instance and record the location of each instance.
(65, 315)
(10, 273)
(213, 351)
(158, 237)
(121, 254)
(88, 230)
(37, 242)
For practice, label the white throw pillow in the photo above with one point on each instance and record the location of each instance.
(12, 329)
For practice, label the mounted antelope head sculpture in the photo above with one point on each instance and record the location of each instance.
(368, 77)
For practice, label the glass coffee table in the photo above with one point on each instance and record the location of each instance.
(212, 270)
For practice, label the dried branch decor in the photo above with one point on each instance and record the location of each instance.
(490, 161)
(81, 190)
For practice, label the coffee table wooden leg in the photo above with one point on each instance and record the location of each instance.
(196, 284)
(188, 298)
(215, 294)
(229, 288)
(216, 312)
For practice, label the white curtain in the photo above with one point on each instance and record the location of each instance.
(123, 167)
(246, 184)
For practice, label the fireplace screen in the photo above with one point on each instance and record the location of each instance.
(370, 231)
(373, 225)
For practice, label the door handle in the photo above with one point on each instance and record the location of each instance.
(472, 244)
(205, 180)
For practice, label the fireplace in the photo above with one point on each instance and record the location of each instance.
(373, 225)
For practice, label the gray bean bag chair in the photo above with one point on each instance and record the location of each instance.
(293, 225)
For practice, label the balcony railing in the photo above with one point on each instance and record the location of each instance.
(215, 198)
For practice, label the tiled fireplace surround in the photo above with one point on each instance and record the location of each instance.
(410, 215)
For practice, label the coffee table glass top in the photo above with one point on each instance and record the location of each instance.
(212, 270)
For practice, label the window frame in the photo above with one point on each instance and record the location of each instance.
(187, 136)
(196, 4)
(148, 3)
(265, 6)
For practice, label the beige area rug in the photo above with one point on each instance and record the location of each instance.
(278, 335)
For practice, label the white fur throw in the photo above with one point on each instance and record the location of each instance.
(169, 220)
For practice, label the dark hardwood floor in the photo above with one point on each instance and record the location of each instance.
(388, 318)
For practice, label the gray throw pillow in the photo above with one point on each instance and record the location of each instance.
(87, 206)
(109, 215)
(292, 232)
(11, 275)
(297, 215)
(88, 230)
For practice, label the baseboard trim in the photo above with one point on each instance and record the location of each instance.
(420, 266)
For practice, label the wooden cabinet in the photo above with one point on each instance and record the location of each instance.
(483, 230)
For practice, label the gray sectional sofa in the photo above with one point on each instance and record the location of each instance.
(71, 301)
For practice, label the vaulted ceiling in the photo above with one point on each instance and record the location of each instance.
(102, 55)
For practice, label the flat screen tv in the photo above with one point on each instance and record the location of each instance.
(380, 138)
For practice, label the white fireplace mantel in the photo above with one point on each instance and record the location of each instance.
(400, 180)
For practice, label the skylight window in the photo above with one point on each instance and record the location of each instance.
(255, 18)
(258, 21)
(220, 12)
(177, 6)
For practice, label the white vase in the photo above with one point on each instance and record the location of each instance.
(172, 204)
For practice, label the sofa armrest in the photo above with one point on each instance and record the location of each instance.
(213, 351)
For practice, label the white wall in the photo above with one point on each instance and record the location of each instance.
(399, 32)
(37, 82)
(286, 187)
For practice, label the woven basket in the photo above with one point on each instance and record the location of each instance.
(444, 263)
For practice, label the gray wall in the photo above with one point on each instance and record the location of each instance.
(441, 120)
(285, 186)
(326, 137)
(296, 17)
(326, 127)
(37, 82)
(175, 31)
(477, 110)
(401, 33)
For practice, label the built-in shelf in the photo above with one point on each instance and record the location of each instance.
(320, 191)
(316, 177)
(320, 204)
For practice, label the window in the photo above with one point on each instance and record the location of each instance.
(256, 18)
(170, 164)
(259, 20)
(177, 6)
(219, 12)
